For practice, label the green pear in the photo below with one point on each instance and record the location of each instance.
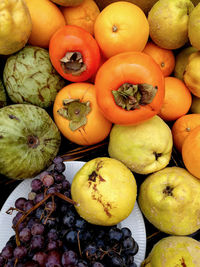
(143, 148)
(170, 200)
(174, 251)
(181, 61)
(195, 107)
(168, 21)
(194, 27)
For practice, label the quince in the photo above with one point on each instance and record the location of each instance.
(174, 251)
(15, 26)
(144, 148)
(170, 200)
(104, 190)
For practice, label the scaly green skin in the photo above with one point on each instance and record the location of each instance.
(168, 21)
(29, 77)
(174, 251)
(2, 95)
(29, 140)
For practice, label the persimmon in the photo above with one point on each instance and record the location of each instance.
(77, 114)
(191, 152)
(164, 57)
(182, 127)
(121, 27)
(46, 19)
(177, 101)
(83, 15)
(129, 88)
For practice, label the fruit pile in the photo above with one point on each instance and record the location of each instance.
(86, 71)
(49, 231)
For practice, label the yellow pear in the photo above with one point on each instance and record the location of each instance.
(195, 107)
(194, 27)
(174, 251)
(181, 61)
(168, 21)
(192, 73)
(170, 200)
(67, 2)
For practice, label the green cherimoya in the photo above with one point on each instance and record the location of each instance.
(3, 101)
(29, 140)
(29, 77)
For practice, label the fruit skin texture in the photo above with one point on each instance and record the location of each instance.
(195, 107)
(105, 190)
(144, 148)
(190, 152)
(29, 77)
(168, 20)
(46, 19)
(15, 26)
(181, 61)
(29, 140)
(192, 74)
(174, 251)
(83, 15)
(118, 29)
(170, 200)
(134, 68)
(163, 57)
(183, 127)
(177, 101)
(68, 2)
(96, 128)
(194, 27)
(3, 100)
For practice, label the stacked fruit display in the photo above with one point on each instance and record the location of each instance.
(87, 71)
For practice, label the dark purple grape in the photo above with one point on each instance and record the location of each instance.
(59, 167)
(69, 258)
(47, 180)
(115, 235)
(39, 197)
(2, 260)
(59, 177)
(114, 260)
(133, 264)
(50, 206)
(71, 238)
(68, 221)
(126, 232)
(66, 185)
(80, 223)
(12, 241)
(36, 185)
(52, 234)
(64, 208)
(17, 217)
(37, 242)
(40, 257)
(39, 212)
(98, 264)
(129, 246)
(82, 263)
(20, 252)
(53, 259)
(28, 205)
(90, 251)
(7, 252)
(57, 160)
(19, 203)
(31, 264)
(52, 245)
(25, 235)
(37, 229)
(52, 190)
(10, 263)
(51, 223)
(85, 236)
(67, 194)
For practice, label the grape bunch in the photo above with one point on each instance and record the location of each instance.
(50, 233)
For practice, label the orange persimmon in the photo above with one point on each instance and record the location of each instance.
(77, 114)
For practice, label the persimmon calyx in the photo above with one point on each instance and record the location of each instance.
(72, 63)
(76, 112)
(131, 96)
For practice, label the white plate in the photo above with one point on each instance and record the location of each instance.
(134, 222)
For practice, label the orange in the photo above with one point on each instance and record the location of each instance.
(46, 19)
(191, 152)
(164, 57)
(83, 15)
(177, 100)
(182, 127)
(121, 27)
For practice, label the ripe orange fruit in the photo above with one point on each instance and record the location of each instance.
(182, 127)
(177, 100)
(121, 27)
(191, 152)
(83, 15)
(164, 57)
(46, 19)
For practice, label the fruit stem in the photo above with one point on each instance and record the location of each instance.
(72, 63)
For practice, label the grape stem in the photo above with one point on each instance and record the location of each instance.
(34, 208)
